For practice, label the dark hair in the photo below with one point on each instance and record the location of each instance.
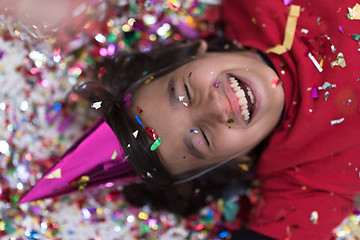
(121, 75)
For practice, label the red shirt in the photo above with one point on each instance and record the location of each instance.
(311, 165)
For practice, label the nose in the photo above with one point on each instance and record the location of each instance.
(213, 108)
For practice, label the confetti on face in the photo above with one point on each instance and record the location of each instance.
(337, 121)
(96, 105)
(216, 84)
(114, 155)
(139, 110)
(185, 104)
(181, 98)
(275, 82)
(135, 134)
(156, 144)
(229, 122)
(138, 119)
(200, 142)
(193, 131)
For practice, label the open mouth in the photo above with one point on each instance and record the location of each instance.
(245, 96)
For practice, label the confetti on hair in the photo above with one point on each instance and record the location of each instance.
(102, 71)
(135, 134)
(127, 100)
(337, 121)
(156, 144)
(354, 13)
(149, 175)
(243, 167)
(314, 218)
(147, 81)
(54, 174)
(96, 105)
(151, 133)
(193, 131)
(314, 93)
(114, 155)
(275, 82)
(340, 61)
(317, 65)
(138, 119)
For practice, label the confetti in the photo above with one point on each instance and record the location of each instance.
(289, 32)
(314, 218)
(135, 134)
(317, 65)
(138, 119)
(326, 95)
(147, 81)
(54, 174)
(356, 37)
(244, 167)
(327, 86)
(151, 133)
(81, 183)
(275, 82)
(354, 13)
(96, 105)
(127, 100)
(114, 155)
(193, 131)
(340, 61)
(314, 93)
(181, 98)
(337, 121)
(156, 144)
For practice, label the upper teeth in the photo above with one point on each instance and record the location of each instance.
(239, 91)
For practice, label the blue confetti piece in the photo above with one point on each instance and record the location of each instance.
(138, 119)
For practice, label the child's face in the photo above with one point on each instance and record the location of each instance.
(212, 126)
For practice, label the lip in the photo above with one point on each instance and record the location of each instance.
(234, 102)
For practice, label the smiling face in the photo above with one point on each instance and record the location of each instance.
(217, 107)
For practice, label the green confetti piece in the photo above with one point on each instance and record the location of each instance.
(156, 144)
(114, 155)
(112, 37)
(356, 37)
(230, 210)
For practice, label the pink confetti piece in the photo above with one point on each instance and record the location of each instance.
(314, 93)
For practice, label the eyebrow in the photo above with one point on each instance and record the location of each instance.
(191, 148)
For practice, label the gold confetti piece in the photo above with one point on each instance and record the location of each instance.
(354, 13)
(114, 155)
(243, 167)
(135, 134)
(314, 218)
(289, 32)
(54, 174)
(81, 182)
(340, 61)
(149, 80)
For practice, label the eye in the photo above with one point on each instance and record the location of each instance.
(187, 92)
(206, 139)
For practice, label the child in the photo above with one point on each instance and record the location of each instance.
(193, 110)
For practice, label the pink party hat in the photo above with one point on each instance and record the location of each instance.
(95, 160)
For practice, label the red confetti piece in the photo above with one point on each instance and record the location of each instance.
(275, 82)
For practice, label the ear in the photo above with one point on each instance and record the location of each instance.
(202, 48)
